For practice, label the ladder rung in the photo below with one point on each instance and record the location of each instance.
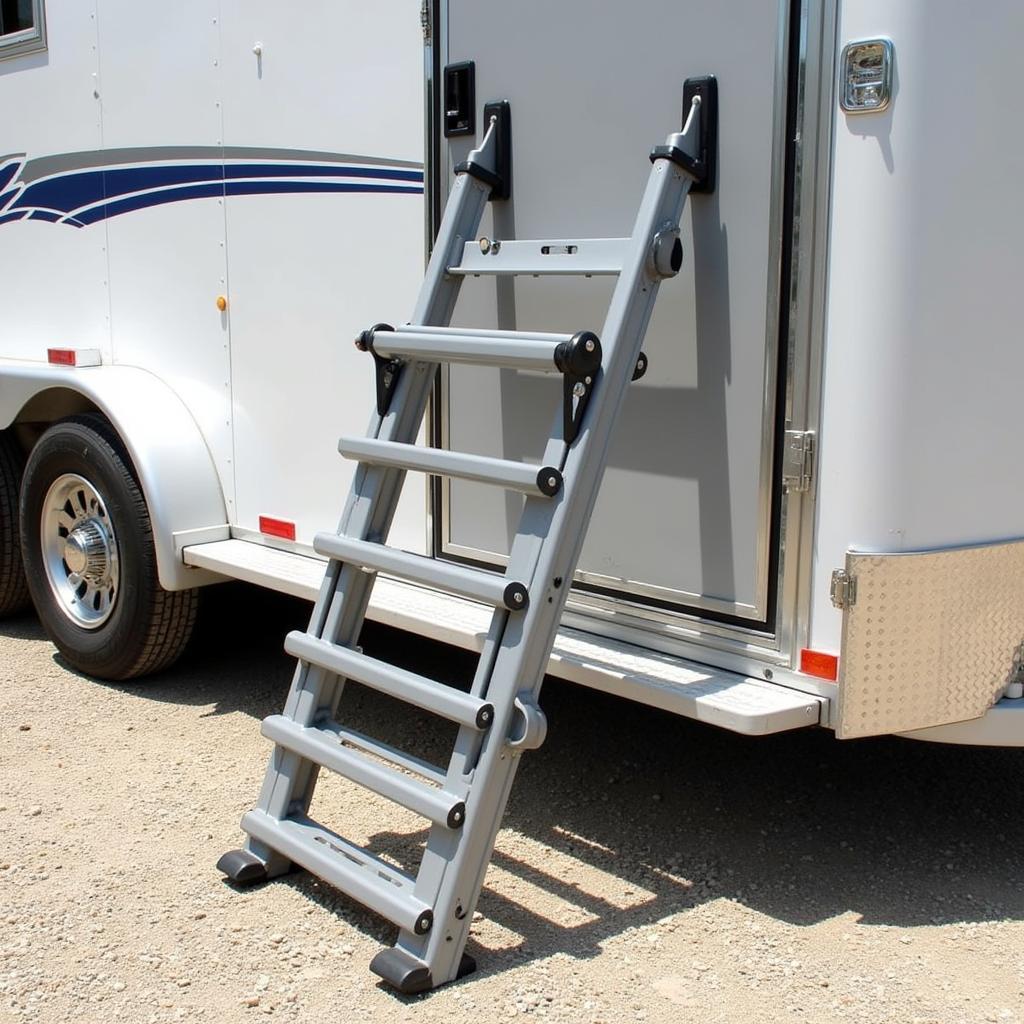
(508, 349)
(355, 871)
(516, 476)
(424, 693)
(588, 256)
(323, 746)
(475, 584)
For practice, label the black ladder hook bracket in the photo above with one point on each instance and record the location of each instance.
(579, 359)
(386, 370)
(704, 167)
(499, 114)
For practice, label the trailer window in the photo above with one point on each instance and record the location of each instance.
(21, 27)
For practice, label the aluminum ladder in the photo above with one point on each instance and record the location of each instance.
(499, 717)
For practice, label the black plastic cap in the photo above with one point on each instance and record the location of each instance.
(485, 716)
(457, 815)
(516, 597)
(365, 340)
(424, 922)
(549, 481)
(580, 356)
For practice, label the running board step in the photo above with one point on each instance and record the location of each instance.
(420, 691)
(537, 481)
(742, 704)
(322, 744)
(474, 584)
(355, 871)
(590, 257)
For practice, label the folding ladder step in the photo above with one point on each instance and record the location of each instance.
(537, 257)
(475, 584)
(537, 481)
(424, 693)
(355, 871)
(322, 744)
(576, 354)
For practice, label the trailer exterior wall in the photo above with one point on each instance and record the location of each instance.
(920, 442)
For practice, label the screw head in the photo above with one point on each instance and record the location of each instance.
(552, 482)
(589, 344)
(485, 245)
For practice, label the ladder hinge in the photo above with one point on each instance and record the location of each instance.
(843, 589)
(798, 461)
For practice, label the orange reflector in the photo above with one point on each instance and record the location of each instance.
(277, 528)
(815, 663)
(61, 356)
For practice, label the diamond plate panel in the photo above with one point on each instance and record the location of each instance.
(931, 638)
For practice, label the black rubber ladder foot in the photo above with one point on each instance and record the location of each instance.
(242, 867)
(405, 974)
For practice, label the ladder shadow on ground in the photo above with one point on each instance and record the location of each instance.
(629, 816)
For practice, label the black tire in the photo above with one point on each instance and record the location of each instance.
(13, 588)
(147, 627)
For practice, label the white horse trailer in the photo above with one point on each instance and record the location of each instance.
(813, 510)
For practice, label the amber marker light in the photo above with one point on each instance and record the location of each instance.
(222, 302)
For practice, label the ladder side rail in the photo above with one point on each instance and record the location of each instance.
(341, 607)
(517, 666)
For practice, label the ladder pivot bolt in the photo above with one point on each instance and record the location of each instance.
(485, 716)
(549, 481)
(424, 922)
(516, 597)
(457, 815)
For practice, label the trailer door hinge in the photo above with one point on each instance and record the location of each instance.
(798, 461)
(425, 19)
(843, 589)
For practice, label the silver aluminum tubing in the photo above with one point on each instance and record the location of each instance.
(518, 352)
(396, 682)
(353, 870)
(516, 476)
(475, 584)
(485, 332)
(433, 804)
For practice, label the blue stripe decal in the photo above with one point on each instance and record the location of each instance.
(87, 196)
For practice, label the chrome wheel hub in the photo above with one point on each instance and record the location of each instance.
(79, 550)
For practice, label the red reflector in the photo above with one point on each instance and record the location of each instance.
(61, 356)
(824, 666)
(277, 528)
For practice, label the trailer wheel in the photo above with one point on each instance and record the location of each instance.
(87, 545)
(13, 588)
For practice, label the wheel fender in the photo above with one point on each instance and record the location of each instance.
(174, 465)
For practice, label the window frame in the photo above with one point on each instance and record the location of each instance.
(27, 40)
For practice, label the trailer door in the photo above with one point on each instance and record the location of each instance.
(685, 514)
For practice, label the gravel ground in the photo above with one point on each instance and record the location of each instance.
(649, 868)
